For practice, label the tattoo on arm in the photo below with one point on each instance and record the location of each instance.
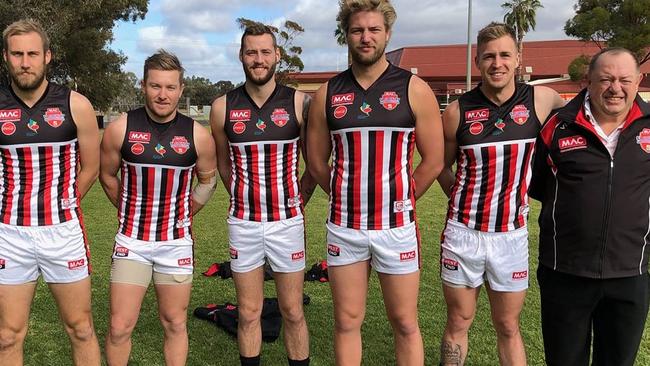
(450, 354)
(306, 102)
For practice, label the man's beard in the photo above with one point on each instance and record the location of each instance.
(27, 84)
(358, 59)
(265, 79)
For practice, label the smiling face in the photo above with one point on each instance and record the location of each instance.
(367, 37)
(162, 91)
(613, 85)
(259, 58)
(26, 60)
(497, 61)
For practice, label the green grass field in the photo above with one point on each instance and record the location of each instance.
(47, 343)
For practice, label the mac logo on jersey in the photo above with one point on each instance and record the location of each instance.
(520, 275)
(407, 256)
(76, 263)
(477, 115)
(298, 255)
(185, 262)
(572, 143)
(141, 137)
(342, 99)
(240, 115)
(10, 115)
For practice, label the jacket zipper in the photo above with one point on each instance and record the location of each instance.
(606, 215)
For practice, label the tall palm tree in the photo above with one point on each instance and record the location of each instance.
(341, 39)
(520, 15)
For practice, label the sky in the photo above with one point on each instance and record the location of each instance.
(205, 36)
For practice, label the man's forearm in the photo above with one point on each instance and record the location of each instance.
(85, 180)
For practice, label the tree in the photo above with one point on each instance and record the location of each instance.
(342, 40)
(290, 60)
(79, 32)
(615, 23)
(130, 95)
(578, 68)
(520, 16)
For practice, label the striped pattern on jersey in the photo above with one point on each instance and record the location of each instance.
(38, 183)
(151, 197)
(495, 179)
(264, 184)
(371, 181)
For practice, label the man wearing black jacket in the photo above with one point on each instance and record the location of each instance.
(592, 175)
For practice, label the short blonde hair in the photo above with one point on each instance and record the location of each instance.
(165, 61)
(494, 31)
(349, 7)
(25, 26)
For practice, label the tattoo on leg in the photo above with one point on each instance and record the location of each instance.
(450, 354)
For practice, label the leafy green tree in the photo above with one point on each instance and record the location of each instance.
(341, 40)
(290, 60)
(80, 31)
(614, 23)
(129, 93)
(578, 68)
(520, 15)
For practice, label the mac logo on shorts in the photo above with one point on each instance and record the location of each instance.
(2, 264)
(185, 262)
(233, 253)
(407, 256)
(76, 263)
(520, 275)
(121, 252)
(333, 250)
(450, 264)
(298, 255)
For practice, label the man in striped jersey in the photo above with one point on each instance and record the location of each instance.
(49, 160)
(257, 129)
(157, 152)
(491, 130)
(371, 118)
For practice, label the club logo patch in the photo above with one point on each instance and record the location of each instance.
(298, 255)
(644, 140)
(519, 275)
(389, 100)
(342, 99)
(365, 109)
(402, 206)
(121, 252)
(54, 117)
(185, 262)
(239, 127)
(476, 128)
(10, 115)
(141, 137)
(180, 144)
(68, 203)
(137, 149)
(340, 111)
(242, 115)
(520, 114)
(574, 142)
(500, 125)
(450, 264)
(2, 264)
(76, 263)
(160, 150)
(280, 117)
(261, 127)
(477, 115)
(333, 250)
(233, 253)
(33, 126)
(407, 256)
(8, 128)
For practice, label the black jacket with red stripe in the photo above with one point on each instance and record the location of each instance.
(595, 218)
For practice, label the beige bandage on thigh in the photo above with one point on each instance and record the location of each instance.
(131, 272)
(171, 279)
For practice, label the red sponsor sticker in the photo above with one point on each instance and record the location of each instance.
(280, 117)
(298, 255)
(233, 253)
(8, 128)
(137, 149)
(389, 100)
(450, 264)
(520, 275)
(340, 111)
(407, 256)
(333, 250)
(121, 252)
(54, 117)
(342, 99)
(76, 263)
(185, 262)
(239, 127)
(180, 144)
(572, 143)
(240, 115)
(644, 140)
(477, 115)
(10, 115)
(2, 264)
(141, 137)
(520, 114)
(476, 128)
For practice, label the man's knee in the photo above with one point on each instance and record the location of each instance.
(174, 324)
(120, 330)
(81, 330)
(459, 321)
(293, 314)
(506, 327)
(249, 314)
(405, 325)
(348, 321)
(11, 338)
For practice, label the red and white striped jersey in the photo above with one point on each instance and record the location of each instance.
(495, 148)
(38, 159)
(264, 152)
(373, 140)
(157, 170)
